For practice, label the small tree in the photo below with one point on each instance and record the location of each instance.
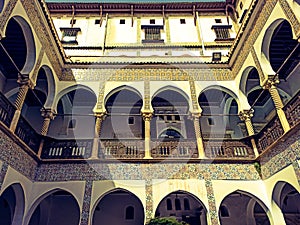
(165, 221)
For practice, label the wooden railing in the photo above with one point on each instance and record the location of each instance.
(134, 148)
(228, 148)
(7, 110)
(269, 134)
(66, 149)
(292, 110)
(122, 149)
(28, 135)
(174, 149)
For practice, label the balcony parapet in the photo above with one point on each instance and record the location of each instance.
(7, 110)
(229, 148)
(122, 149)
(174, 149)
(67, 149)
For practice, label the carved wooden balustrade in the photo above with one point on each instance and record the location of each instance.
(66, 149)
(174, 149)
(122, 149)
(134, 148)
(7, 110)
(28, 135)
(228, 148)
(292, 110)
(269, 134)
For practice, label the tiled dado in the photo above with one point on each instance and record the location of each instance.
(282, 155)
(133, 171)
(13, 155)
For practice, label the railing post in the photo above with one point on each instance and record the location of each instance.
(270, 85)
(200, 146)
(99, 118)
(147, 116)
(246, 116)
(25, 83)
(48, 115)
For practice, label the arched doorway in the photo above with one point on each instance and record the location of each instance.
(118, 207)
(184, 207)
(170, 113)
(219, 118)
(287, 198)
(241, 207)
(12, 205)
(58, 207)
(75, 116)
(124, 120)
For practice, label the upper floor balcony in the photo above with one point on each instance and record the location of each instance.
(170, 148)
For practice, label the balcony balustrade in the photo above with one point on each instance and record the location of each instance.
(67, 149)
(174, 149)
(7, 110)
(228, 148)
(292, 110)
(134, 148)
(122, 149)
(28, 135)
(269, 134)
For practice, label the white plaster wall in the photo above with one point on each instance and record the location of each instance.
(205, 24)
(121, 33)
(161, 188)
(183, 32)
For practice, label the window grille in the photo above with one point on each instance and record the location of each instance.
(69, 35)
(222, 32)
(152, 33)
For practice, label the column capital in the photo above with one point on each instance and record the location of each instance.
(270, 82)
(100, 115)
(246, 114)
(147, 116)
(48, 113)
(23, 79)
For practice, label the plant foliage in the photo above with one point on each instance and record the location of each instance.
(165, 221)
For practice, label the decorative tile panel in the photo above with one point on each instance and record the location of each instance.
(212, 210)
(86, 203)
(6, 13)
(14, 156)
(282, 155)
(3, 173)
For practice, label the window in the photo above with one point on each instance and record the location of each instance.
(131, 120)
(72, 124)
(224, 211)
(69, 35)
(152, 33)
(222, 32)
(97, 21)
(218, 20)
(129, 214)
(152, 21)
(241, 5)
(211, 121)
(73, 21)
(182, 21)
(186, 203)
(122, 21)
(169, 204)
(177, 204)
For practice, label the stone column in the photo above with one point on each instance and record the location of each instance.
(147, 116)
(246, 116)
(25, 83)
(48, 115)
(270, 85)
(200, 146)
(99, 118)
